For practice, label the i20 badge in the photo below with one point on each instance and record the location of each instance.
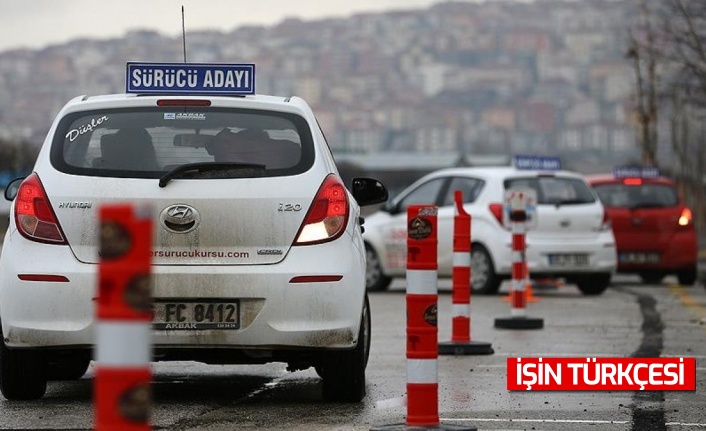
(180, 218)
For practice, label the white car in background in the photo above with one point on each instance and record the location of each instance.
(249, 215)
(572, 238)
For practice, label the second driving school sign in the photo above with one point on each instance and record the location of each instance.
(190, 78)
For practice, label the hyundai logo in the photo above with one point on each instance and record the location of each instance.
(180, 218)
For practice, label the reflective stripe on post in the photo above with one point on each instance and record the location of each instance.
(122, 393)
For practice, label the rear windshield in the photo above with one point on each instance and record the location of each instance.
(634, 196)
(555, 190)
(148, 142)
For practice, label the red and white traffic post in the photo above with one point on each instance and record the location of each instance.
(122, 393)
(517, 201)
(461, 343)
(422, 331)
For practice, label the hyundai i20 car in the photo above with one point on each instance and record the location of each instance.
(572, 238)
(654, 230)
(248, 213)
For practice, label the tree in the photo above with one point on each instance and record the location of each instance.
(683, 29)
(667, 44)
(643, 53)
(684, 32)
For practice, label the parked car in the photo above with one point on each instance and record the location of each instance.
(250, 215)
(572, 238)
(654, 230)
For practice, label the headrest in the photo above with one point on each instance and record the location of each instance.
(258, 134)
(133, 134)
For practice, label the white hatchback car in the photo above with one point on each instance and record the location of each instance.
(248, 209)
(572, 238)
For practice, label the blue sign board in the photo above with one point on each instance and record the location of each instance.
(190, 78)
(539, 163)
(636, 172)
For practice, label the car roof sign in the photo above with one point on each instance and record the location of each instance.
(539, 163)
(190, 78)
(635, 172)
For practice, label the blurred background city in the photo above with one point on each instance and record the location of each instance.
(402, 92)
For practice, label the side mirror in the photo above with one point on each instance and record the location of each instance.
(368, 191)
(12, 188)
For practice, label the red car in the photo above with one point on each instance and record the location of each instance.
(654, 231)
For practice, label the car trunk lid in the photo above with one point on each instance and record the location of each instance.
(242, 221)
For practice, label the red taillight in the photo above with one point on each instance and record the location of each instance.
(685, 218)
(183, 102)
(328, 215)
(605, 223)
(497, 211)
(34, 215)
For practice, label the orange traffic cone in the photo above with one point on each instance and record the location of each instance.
(528, 291)
(529, 296)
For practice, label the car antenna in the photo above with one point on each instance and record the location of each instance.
(183, 32)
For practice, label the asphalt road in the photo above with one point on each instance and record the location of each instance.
(628, 320)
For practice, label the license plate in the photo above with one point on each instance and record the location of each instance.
(568, 260)
(196, 315)
(630, 257)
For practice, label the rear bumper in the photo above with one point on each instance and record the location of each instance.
(275, 314)
(677, 251)
(600, 251)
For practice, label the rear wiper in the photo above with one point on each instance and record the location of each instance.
(568, 202)
(190, 168)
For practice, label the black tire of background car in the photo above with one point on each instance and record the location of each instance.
(375, 279)
(492, 282)
(343, 372)
(22, 373)
(687, 277)
(593, 284)
(70, 366)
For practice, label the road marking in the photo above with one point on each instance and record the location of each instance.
(562, 355)
(567, 421)
(691, 303)
(392, 403)
(585, 355)
(554, 421)
(685, 356)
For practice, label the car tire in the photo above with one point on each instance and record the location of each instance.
(22, 373)
(375, 278)
(593, 284)
(651, 277)
(687, 277)
(343, 372)
(483, 278)
(68, 367)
